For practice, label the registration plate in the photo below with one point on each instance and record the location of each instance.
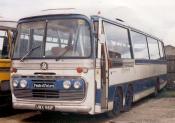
(45, 107)
(44, 85)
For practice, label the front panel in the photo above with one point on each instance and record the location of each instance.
(47, 86)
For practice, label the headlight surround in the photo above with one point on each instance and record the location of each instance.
(23, 83)
(15, 83)
(77, 85)
(67, 84)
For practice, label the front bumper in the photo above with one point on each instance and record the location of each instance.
(62, 107)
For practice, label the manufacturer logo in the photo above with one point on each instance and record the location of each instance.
(44, 66)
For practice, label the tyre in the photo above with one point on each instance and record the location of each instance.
(157, 88)
(117, 104)
(128, 99)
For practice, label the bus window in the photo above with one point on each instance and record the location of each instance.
(117, 41)
(161, 50)
(139, 46)
(153, 48)
(96, 24)
(30, 35)
(3, 44)
(70, 37)
(96, 27)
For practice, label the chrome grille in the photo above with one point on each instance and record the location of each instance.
(49, 94)
(45, 93)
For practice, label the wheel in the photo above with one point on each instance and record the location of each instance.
(155, 92)
(129, 99)
(157, 88)
(117, 104)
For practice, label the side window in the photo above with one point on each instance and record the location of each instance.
(117, 41)
(161, 50)
(4, 49)
(140, 47)
(153, 48)
(96, 23)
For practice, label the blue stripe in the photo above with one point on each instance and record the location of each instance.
(138, 86)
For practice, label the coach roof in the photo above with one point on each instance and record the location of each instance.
(62, 11)
(88, 13)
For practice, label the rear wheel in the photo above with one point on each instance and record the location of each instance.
(155, 92)
(117, 104)
(157, 88)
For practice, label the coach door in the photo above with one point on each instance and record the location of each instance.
(104, 68)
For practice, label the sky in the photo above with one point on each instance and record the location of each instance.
(155, 17)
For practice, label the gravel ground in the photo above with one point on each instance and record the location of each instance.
(148, 110)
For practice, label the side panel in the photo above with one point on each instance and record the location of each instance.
(143, 78)
(139, 78)
(135, 73)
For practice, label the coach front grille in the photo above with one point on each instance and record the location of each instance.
(49, 94)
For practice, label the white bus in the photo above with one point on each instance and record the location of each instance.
(76, 62)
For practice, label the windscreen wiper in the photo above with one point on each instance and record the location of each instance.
(32, 49)
(68, 48)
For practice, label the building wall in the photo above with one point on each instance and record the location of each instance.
(170, 55)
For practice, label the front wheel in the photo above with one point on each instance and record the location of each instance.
(117, 105)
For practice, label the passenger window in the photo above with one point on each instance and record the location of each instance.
(117, 41)
(140, 47)
(161, 50)
(153, 48)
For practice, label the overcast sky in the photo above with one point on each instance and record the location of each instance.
(153, 16)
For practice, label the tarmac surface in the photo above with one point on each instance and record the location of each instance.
(149, 110)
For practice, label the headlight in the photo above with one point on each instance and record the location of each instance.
(15, 83)
(66, 84)
(77, 85)
(23, 83)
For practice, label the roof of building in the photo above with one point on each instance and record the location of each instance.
(7, 24)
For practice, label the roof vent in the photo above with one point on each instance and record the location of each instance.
(120, 20)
